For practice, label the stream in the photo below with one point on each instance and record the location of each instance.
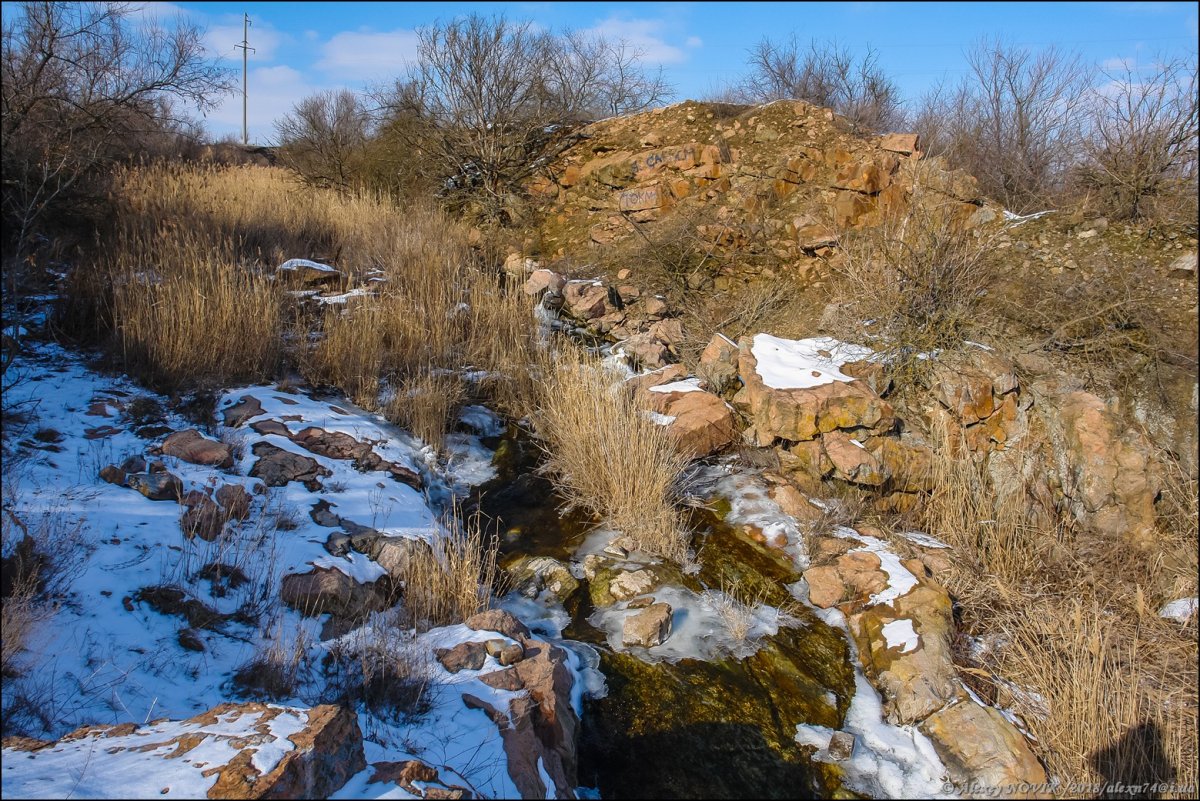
(722, 727)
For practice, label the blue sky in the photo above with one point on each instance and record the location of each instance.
(307, 47)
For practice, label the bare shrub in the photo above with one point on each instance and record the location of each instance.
(919, 279)
(455, 579)
(1141, 147)
(1015, 122)
(382, 667)
(323, 137)
(608, 458)
(488, 100)
(824, 74)
(84, 84)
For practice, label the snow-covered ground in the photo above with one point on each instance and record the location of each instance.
(104, 656)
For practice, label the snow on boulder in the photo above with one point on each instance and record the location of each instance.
(308, 272)
(796, 390)
(248, 750)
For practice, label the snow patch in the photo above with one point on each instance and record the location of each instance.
(1180, 610)
(900, 634)
(804, 363)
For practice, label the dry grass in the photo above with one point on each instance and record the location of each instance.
(380, 666)
(193, 299)
(455, 580)
(42, 557)
(427, 404)
(275, 671)
(1107, 688)
(735, 605)
(609, 458)
(185, 314)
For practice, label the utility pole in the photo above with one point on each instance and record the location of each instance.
(246, 48)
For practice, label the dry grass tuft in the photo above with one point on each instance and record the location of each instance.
(427, 405)
(609, 458)
(276, 669)
(186, 314)
(455, 580)
(380, 666)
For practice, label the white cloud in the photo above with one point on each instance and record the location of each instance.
(147, 14)
(366, 55)
(1117, 64)
(694, 41)
(220, 41)
(643, 35)
(273, 91)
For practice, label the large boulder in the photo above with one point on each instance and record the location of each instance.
(980, 747)
(328, 591)
(904, 648)
(700, 422)
(1108, 476)
(795, 390)
(192, 446)
(250, 750)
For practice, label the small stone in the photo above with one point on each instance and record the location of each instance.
(511, 654)
(464, 656)
(841, 746)
(649, 627)
(640, 603)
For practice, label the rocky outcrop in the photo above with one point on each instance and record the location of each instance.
(540, 727)
(246, 408)
(250, 750)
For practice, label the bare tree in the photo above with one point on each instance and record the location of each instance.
(490, 101)
(1020, 117)
(323, 137)
(1142, 140)
(82, 86)
(824, 74)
